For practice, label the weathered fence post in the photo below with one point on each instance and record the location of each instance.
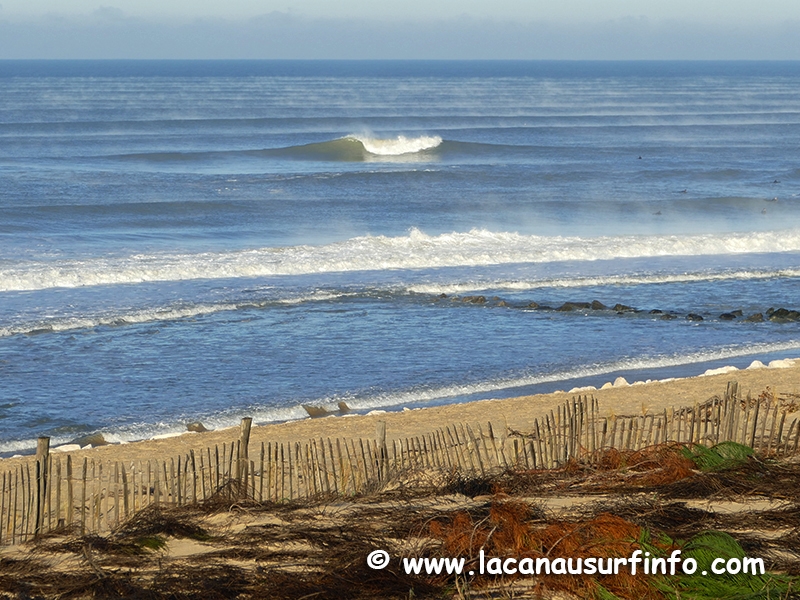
(42, 462)
(243, 459)
(383, 460)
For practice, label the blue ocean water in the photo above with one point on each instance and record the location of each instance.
(184, 240)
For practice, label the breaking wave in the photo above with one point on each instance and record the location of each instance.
(153, 315)
(604, 280)
(361, 148)
(397, 146)
(416, 250)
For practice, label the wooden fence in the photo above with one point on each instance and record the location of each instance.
(92, 496)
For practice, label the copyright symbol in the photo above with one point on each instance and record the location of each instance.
(378, 559)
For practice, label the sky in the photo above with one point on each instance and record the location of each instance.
(432, 29)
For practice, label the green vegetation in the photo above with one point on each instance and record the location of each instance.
(726, 455)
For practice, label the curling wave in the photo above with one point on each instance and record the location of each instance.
(416, 250)
(361, 148)
(397, 146)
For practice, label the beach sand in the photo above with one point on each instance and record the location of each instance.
(514, 413)
(321, 547)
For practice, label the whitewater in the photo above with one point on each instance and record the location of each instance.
(416, 250)
(244, 242)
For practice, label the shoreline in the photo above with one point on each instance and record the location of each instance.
(516, 413)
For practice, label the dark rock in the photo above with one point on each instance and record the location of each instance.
(93, 439)
(568, 306)
(783, 315)
(668, 317)
(196, 426)
(442, 295)
(343, 408)
(474, 299)
(495, 298)
(533, 305)
(727, 317)
(756, 318)
(502, 303)
(315, 411)
(738, 313)
(597, 305)
(623, 308)
(656, 311)
(693, 317)
(545, 307)
(770, 311)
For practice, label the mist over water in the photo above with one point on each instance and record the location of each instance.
(240, 241)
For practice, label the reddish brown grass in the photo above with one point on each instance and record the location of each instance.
(509, 532)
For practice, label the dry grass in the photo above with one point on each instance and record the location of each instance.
(232, 548)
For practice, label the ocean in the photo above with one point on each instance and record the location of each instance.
(206, 240)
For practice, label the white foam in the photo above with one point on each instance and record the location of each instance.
(66, 448)
(397, 146)
(719, 371)
(416, 250)
(599, 281)
(128, 318)
(172, 434)
(152, 314)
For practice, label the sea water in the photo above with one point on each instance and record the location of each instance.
(185, 241)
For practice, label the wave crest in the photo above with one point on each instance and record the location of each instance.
(397, 146)
(416, 250)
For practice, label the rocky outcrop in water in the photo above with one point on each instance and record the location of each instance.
(570, 306)
(776, 315)
(783, 315)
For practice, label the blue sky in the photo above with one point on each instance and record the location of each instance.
(522, 29)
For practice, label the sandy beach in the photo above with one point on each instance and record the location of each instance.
(513, 413)
(231, 546)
